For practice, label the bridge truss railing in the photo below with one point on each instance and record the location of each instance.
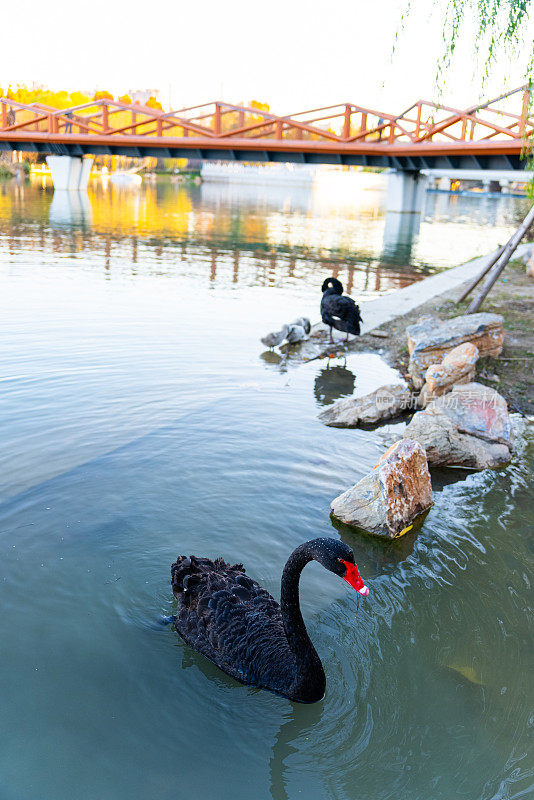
(343, 123)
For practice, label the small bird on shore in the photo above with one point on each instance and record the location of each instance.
(305, 323)
(339, 311)
(276, 337)
(295, 334)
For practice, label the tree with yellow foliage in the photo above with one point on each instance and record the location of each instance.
(47, 97)
(103, 95)
(153, 103)
(258, 106)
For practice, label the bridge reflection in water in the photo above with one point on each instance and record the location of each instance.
(252, 235)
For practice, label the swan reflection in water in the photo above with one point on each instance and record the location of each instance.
(333, 382)
(298, 721)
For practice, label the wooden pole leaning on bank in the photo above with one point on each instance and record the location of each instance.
(492, 260)
(501, 262)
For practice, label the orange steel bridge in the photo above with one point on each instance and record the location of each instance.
(491, 135)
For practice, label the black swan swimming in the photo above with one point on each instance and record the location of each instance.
(234, 622)
(338, 311)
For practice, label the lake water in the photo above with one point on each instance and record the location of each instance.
(139, 421)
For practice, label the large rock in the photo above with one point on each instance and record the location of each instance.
(430, 339)
(445, 446)
(384, 403)
(469, 427)
(457, 367)
(479, 411)
(393, 498)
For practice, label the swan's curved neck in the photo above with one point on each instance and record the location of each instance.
(310, 678)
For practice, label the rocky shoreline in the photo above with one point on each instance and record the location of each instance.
(511, 373)
(458, 382)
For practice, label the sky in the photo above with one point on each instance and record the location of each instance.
(293, 55)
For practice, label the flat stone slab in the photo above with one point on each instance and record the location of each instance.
(430, 339)
(393, 498)
(386, 402)
(316, 345)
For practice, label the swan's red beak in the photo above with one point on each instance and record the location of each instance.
(353, 577)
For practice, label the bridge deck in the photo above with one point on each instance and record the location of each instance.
(472, 155)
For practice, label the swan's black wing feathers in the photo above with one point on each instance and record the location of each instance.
(340, 312)
(232, 620)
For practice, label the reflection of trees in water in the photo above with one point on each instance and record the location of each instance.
(249, 266)
(506, 210)
(332, 383)
(176, 227)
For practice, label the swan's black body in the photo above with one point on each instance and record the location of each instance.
(234, 622)
(337, 310)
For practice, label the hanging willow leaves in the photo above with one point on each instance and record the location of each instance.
(500, 27)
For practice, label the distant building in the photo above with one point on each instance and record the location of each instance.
(143, 95)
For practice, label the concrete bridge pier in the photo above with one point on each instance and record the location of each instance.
(406, 191)
(70, 172)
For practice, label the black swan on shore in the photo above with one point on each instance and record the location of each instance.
(337, 310)
(235, 622)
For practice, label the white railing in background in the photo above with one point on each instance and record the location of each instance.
(261, 173)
